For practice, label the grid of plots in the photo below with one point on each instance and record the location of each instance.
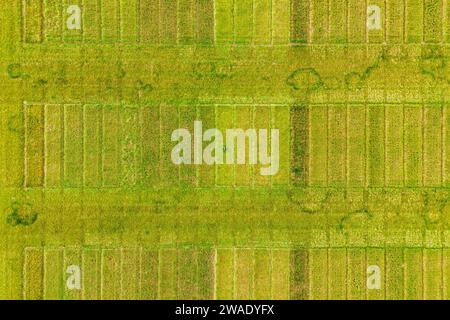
(375, 146)
(243, 22)
(111, 146)
(326, 149)
(240, 273)
(378, 145)
(130, 273)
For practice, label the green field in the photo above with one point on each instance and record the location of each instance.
(87, 180)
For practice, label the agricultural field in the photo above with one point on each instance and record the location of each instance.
(343, 194)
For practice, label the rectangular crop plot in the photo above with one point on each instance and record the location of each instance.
(125, 273)
(128, 145)
(95, 146)
(151, 22)
(130, 273)
(225, 22)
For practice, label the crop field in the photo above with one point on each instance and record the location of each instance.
(94, 205)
